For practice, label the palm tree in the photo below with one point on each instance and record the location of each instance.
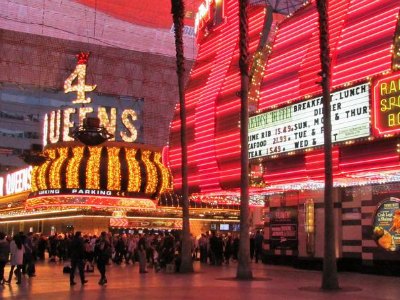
(244, 267)
(329, 277)
(178, 12)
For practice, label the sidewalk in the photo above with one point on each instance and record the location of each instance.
(207, 283)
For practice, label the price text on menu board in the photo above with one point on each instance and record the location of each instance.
(300, 125)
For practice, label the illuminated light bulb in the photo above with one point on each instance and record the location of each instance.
(134, 177)
(42, 172)
(34, 180)
(127, 115)
(55, 169)
(45, 130)
(83, 111)
(93, 168)
(165, 176)
(113, 169)
(109, 123)
(67, 123)
(73, 167)
(80, 74)
(54, 126)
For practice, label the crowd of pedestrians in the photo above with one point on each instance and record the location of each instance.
(21, 250)
(219, 248)
(160, 251)
(83, 252)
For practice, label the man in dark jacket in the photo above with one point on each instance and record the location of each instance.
(77, 255)
(258, 243)
(4, 255)
(102, 252)
(29, 262)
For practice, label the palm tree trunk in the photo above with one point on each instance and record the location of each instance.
(244, 267)
(329, 277)
(178, 12)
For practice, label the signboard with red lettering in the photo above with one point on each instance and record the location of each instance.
(386, 105)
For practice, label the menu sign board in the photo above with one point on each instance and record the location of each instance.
(283, 228)
(386, 225)
(300, 126)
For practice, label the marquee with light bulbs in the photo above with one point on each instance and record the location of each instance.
(284, 92)
(116, 175)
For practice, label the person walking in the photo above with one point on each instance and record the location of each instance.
(228, 242)
(203, 248)
(29, 261)
(252, 250)
(119, 250)
(77, 257)
(17, 251)
(4, 254)
(102, 252)
(213, 242)
(235, 247)
(132, 249)
(142, 254)
(258, 243)
(41, 248)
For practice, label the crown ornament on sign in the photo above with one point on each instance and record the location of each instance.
(82, 58)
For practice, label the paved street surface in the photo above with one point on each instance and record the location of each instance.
(208, 282)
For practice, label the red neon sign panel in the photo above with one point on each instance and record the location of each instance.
(386, 105)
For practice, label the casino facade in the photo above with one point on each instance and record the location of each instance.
(286, 128)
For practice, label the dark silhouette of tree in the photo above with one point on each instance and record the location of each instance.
(244, 268)
(329, 276)
(178, 13)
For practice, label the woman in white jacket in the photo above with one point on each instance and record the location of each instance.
(17, 251)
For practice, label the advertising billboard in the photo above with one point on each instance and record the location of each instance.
(283, 228)
(386, 224)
